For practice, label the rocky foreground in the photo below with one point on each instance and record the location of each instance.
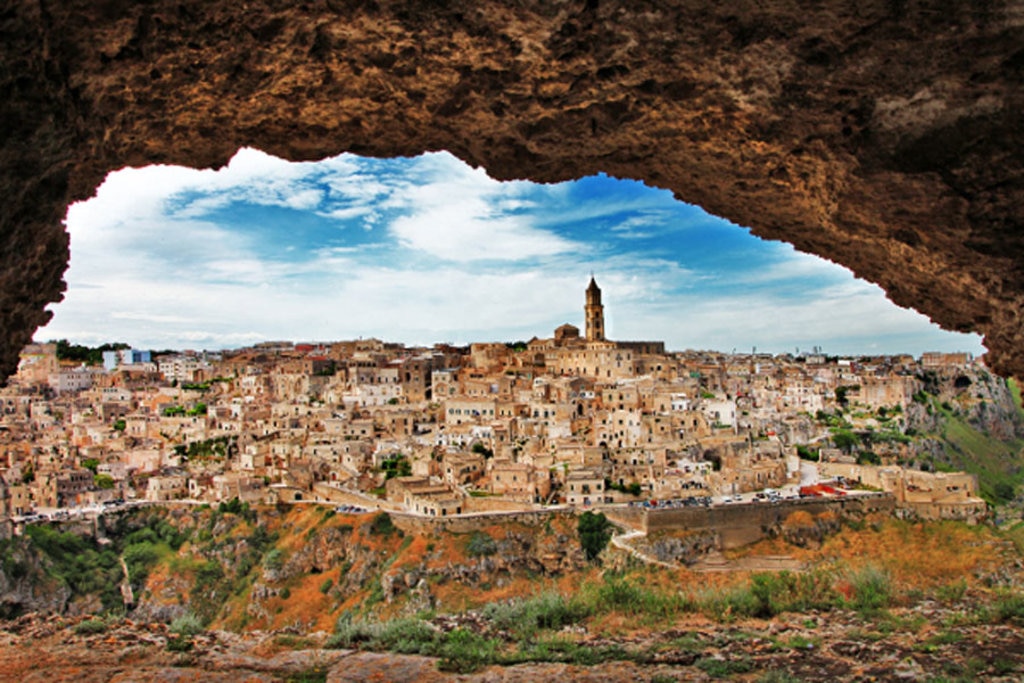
(927, 642)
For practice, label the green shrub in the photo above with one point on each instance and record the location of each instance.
(622, 596)
(1004, 491)
(805, 453)
(481, 545)
(724, 668)
(326, 586)
(139, 558)
(91, 626)
(872, 588)
(186, 625)
(868, 458)
(350, 633)
(407, 636)
(524, 618)
(1008, 607)
(464, 651)
(561, 649)
(381, 525)
(953, 592)
(273, 560)
(775, 593)
(179, 644)
(728, 603)
(595, 531)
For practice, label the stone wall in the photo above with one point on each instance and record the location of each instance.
(743, 523)
(416, 524)
(487, 504)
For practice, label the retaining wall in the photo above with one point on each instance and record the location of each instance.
(742, 523)
(418, 524)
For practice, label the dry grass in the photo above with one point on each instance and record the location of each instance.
(799, 519)
(305, 605)
(925, 557)
(916, 555)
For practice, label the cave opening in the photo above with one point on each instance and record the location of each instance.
(427, 249)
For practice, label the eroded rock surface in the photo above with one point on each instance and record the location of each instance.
(926, 643)
(885, 136)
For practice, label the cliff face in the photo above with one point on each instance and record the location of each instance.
(885, 136)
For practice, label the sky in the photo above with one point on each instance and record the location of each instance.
(428, 249)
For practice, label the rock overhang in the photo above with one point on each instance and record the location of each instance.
(883, 136)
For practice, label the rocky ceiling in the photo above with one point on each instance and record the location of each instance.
(883, 135)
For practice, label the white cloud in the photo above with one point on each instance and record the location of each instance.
(464, 231)
(457, 213)
(468, 259)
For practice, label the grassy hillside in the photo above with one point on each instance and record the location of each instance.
(997, 463)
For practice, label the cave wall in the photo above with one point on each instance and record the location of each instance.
(882, 135)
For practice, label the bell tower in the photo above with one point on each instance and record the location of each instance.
(594, 312)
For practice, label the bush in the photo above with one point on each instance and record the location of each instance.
(1008, 607)
(179, 644)
(524, 618)
(622, 596)
(481, 545)
(871, 587)
(724, 668)
(139, 558)
(868, 458)
(806, 453)
(186, 625)
(788, 592)
(1004, 492)
(382, 525)
(729, 603)
(464, 651)
(273, 560)
(91, 626)
(326, 586)
(407, 636)
(844, 439)
(349, 633)
(595, 532)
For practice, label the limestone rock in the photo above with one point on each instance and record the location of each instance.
(885, 136)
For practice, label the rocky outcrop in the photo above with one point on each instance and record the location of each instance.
(805, 530)
(25, 585)
(515, 555)
(805, 647)
(684, 549)
(882, 135)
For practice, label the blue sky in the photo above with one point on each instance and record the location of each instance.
(428, 249)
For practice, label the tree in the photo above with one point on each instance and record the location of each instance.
(103, 481)
(806, 453)
(841, 393)
(1004, 491)
(595, 531)
(483, 450)
(868, 458)
(91, 464)
(396, 465)
(845, 440)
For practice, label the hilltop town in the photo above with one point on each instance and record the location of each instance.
(574, 419)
